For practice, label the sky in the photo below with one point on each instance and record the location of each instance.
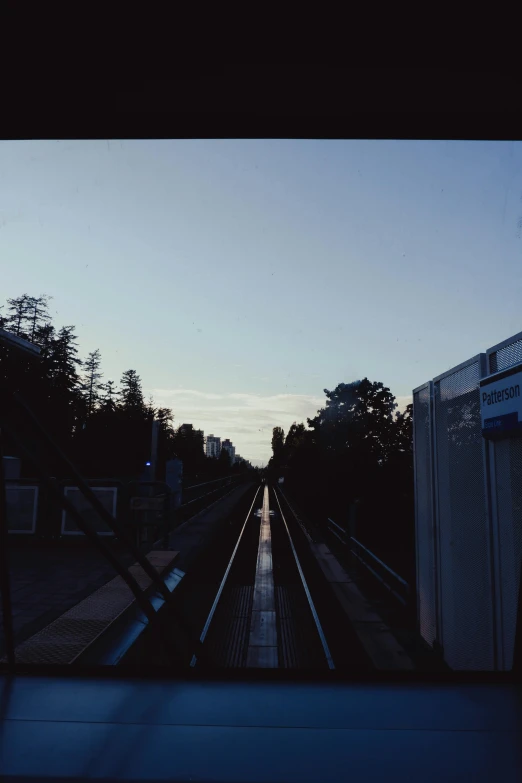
(241, 278)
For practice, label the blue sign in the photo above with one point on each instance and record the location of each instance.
(501, 404)
(505, 423)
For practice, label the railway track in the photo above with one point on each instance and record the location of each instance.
(260, 599)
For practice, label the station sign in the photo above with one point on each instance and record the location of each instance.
(501, 404)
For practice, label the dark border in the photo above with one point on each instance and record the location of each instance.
(267, 100)
(122, 673)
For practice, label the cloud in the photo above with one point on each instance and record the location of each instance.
(166, 393)
(247, 419)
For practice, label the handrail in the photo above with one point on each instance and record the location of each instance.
(381, 580)
(353, 543)
(200, 497)
(204, 484)
(399, 578)
(337, 526)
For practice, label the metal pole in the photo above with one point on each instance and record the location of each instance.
(5, 587)
(154, 449)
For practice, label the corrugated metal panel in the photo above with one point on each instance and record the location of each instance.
(424, 517)
(464, 570)
(508, 471)
(506, 354)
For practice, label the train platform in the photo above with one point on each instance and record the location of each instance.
(61, 592)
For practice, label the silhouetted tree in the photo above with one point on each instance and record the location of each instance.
(357, 448)
(224, 461)
(357, 415)
(91, 380)
(131, 393)
(403, 435)
(37, 314)
(108, 397)
(19, 312)
(278, 448)
(187, 444)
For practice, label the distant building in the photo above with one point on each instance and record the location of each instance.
(213, 446)
(228, 446)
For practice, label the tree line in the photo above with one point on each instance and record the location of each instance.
(355, 457)
(104, 428)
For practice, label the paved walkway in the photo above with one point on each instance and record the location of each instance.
(47, 580)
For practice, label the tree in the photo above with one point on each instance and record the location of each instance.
(131, 394)
(278, 441)
(37, 314)
(117, 439)
(187, 444)
(19, 311)
(4, 320)
(65, 401)
(165, 418)
(108, 400)
(294, 439)
(403, 436)
(64, 352)
(44, 336)
(358, 416)
(150, 409)
(278, 448)
(91, 380)
(224, 461)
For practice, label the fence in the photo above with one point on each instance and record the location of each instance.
(468, 517)
(22, 508)
(32, 513)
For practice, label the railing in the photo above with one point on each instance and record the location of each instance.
(222, 482)
(390, 580)
(214, 481)
(33, 513)
(401, 584)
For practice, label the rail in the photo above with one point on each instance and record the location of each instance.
(213, 481)
(224, 482)
(317, 622)
(223, 581)
(362, 554)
